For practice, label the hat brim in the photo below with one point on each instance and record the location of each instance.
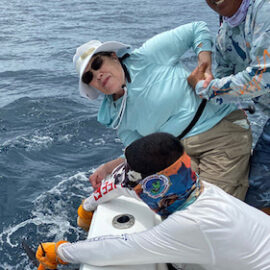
(109, 46)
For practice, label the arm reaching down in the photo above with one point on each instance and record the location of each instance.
(104, 170)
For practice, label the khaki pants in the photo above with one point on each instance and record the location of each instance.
(221, 155)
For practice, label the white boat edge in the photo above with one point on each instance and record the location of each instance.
(123, 209)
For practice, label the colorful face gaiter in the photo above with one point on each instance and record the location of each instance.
(172, 189)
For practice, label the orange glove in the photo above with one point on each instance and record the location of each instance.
(47, 256)
(84, 218)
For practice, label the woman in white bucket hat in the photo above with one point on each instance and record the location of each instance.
(146, 91)
(82, 59)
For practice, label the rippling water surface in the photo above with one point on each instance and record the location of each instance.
(50, 140)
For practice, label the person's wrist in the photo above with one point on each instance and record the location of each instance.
(208, 70)
(59, 260)
(58, 247)
(105, 168)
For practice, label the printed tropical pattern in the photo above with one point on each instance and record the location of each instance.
(242, 58)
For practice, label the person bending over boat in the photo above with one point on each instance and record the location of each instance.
(243, 71)
(146, 91)
(202, 224)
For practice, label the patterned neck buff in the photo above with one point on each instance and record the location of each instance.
(239, 16)
(165, 192)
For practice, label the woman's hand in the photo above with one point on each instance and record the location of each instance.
(205, 67)
(203, 71)
(102, 171)
(200, 73)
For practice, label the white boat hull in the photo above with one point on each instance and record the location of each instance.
(102, 224)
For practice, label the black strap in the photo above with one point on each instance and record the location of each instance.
(124, 66)
(220, 20)
(194, 120)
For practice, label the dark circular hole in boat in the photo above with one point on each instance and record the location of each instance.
(123, 219)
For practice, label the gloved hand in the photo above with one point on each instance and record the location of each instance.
(84, 218)
(47, 256)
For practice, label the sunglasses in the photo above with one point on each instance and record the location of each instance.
(96, 64)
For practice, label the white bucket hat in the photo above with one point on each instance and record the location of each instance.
(83, 55)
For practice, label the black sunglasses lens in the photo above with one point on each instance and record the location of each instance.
(87, 77)
(97, 63)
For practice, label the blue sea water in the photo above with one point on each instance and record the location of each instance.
(50, 141)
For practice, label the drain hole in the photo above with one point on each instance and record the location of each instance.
(123, 219)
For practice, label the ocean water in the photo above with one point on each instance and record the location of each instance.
(50, 141)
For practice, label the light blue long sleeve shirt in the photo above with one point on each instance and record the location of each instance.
(159, 98)
(242, 58)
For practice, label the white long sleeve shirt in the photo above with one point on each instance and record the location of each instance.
(217, 232)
